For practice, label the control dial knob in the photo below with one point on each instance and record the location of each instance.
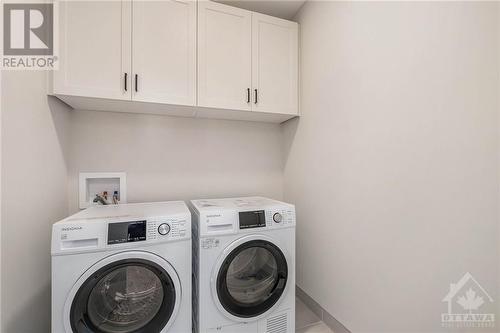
(277, 217)
(164, 229)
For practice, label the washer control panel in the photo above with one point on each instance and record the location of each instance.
(164, 229)
(167, 228)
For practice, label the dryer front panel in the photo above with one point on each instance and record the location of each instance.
(251, 279)
(129, 294)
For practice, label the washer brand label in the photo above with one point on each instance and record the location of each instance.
(72, 228)
(209, 243)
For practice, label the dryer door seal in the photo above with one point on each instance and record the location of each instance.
(252, 278)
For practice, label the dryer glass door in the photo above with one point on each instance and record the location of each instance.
(252, 278)
(125, 296)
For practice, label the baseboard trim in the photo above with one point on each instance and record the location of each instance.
(318, 310)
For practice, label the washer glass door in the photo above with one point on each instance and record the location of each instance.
(252, 278)
(122, 297)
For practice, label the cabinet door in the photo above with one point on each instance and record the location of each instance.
(274, 65)
(164, 51)
(224, 56)
(95, 49)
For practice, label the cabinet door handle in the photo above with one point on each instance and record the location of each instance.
(248, 95)
(125, 81)
(136, 79)
(256, 96)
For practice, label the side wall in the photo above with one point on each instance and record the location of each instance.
(394, 164)
(34, 195)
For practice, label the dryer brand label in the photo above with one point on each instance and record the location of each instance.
(209, 243)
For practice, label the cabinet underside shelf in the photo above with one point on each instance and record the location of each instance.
(110, 105)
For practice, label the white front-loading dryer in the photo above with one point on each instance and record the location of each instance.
(121, 269)
(244, 265)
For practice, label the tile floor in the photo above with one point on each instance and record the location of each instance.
(306, 321)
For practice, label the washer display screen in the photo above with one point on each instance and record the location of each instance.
(125, 232)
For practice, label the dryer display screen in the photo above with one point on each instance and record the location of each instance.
(254, 219)
(125, 232)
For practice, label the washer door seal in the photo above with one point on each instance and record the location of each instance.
(125, 296)
(252, 278)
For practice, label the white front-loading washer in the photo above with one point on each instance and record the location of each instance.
(123, 269)
(243, 265)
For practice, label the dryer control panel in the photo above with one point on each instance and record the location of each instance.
(247, 215)
(283, 216)
(266, 218)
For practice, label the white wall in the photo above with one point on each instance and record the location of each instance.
(498, 105)
(169, 158)
(34, 195)
(394, 164)
(44, 146)
(1, 105)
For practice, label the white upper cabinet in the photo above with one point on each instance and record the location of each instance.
(224, 56)
(177, 57)
(95, 49)
(99, 40)
(274, 64)
(246, 61)
(164, 51)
